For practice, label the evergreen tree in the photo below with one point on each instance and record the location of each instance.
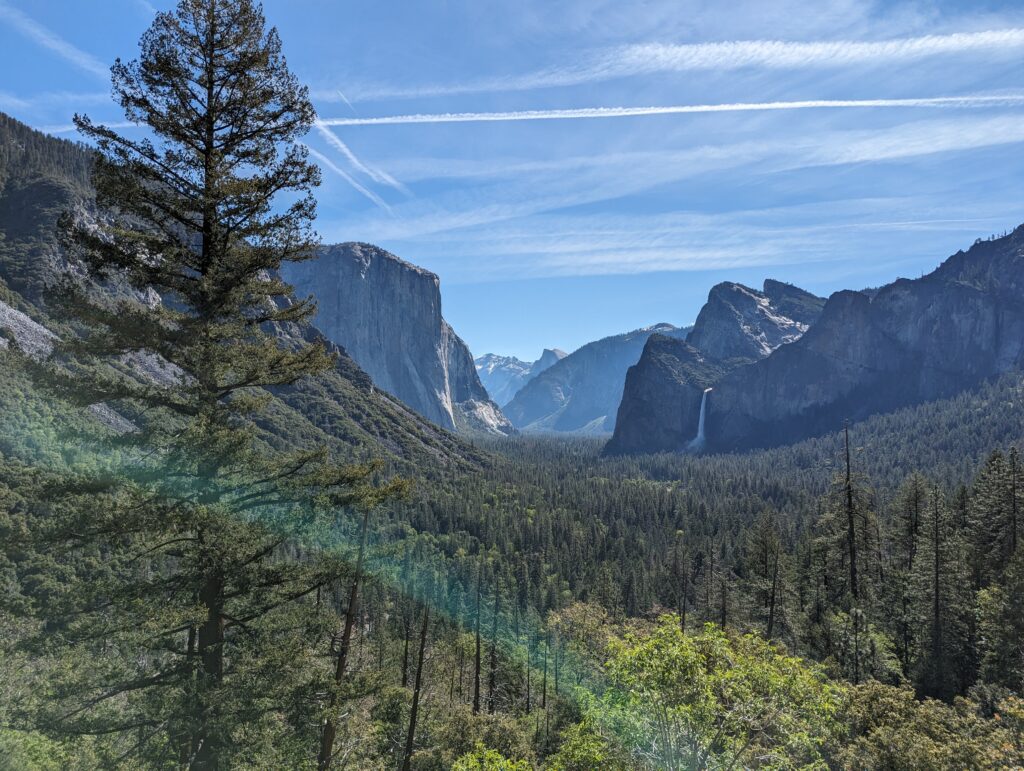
(681, 578)
(942, 603)
(766, 577)
(1001, 629)
(909, 512)
(993, 516)
(848, 533)
(1014, 494)
(202, 621)
(861, 650)
(410, 741)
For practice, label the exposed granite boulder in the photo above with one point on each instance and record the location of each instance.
(32, 338)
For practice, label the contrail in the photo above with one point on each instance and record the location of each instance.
(375, 174)
(323, 159)
(67, 128)
(348, 178)
(46, 38)
(683, 109)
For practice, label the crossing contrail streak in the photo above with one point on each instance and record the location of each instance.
(375, 174)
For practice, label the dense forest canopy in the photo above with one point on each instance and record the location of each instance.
(254, 560)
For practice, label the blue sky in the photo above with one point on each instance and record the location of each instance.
(833, 144)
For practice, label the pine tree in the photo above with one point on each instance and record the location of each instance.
(680, 578)
(994, 516)
(910, 504)
(329, 732)
(862, 652)
(1014, 494)
(765, 574)
(410, 740)
(492, 667)
(203, 624)
(476, 631)
(848, 534)
(942, 604)
(909, 514)
(1001, 628)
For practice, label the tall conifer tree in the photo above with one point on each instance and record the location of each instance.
(209, 624)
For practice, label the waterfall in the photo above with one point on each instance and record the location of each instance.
(697, 442)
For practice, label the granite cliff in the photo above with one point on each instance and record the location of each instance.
(738, 322)
(908, 342)
(40, 178)
(581, 392)
(386, 313)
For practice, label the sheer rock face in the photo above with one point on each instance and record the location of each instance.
(738, 322)
(386, 313)
(549, 357)
(504, 376)
(908, 342)
(662, 396)
(581, 392)
(41, 177)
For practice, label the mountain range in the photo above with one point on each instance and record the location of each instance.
(581, 392)
(765, 366)
(503, 376)
(908, 342)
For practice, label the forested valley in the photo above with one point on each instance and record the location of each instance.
(221, 547)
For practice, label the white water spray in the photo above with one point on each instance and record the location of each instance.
(698, 441)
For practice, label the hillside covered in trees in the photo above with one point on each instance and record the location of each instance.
(222, 547)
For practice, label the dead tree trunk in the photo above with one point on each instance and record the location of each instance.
(492, 675)
(410, 738)
(330, 729)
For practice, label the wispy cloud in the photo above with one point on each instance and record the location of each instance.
(532, 189)
(652, 58)
(11, 102)
(68, 128)
(777, 54)
(563, 245)
(683, 109)
(324, 160)
(376, 175)
(37, 103)
(829, 232)
(917, 139)
(48, 39)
